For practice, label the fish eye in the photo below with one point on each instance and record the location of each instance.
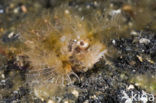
(83, 44)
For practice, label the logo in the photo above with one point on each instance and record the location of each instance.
(137, 97)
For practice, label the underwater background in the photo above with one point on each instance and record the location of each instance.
(126, 29)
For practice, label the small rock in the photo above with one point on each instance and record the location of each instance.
(24, 9)
(15, 92)
(3, 76)
(86, 101)
(130, 87)
(95, 3)
(114, 42)
(115, 12)
(137, 84)
(134, 33)
(66, 102)
(144, 41)
(16, 10)
(1, 10)
(75, 93)
(67, 11)
(127, 8)
(132, 63)
(93, 97)
(3, 81)
(140, 58)
(50, 101)
(10, 37)
(88, 6)
(133, 70)
(150, 61)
